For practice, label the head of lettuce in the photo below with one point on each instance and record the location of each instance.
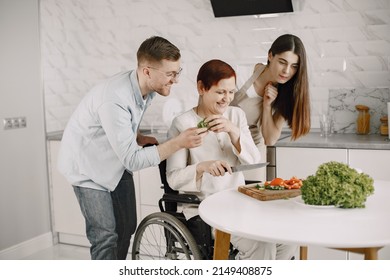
(337, 184)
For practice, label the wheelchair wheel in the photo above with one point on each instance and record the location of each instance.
(161, 236)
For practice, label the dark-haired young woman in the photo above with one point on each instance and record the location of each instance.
(277, 92)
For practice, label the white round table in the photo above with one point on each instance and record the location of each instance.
(289, 221)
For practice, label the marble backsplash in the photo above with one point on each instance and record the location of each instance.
(342, 104)
(84, 42)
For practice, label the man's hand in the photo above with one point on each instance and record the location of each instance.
(192, 137)
(143, 140)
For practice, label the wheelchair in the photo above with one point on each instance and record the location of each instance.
(167, 235)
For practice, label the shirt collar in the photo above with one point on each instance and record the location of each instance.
(137, 91)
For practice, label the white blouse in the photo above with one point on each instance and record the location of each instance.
(181, 166)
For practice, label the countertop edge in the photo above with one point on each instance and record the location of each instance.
(338, 141)
(54, 135)
(311, 140)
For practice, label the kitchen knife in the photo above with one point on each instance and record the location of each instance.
(248, 166)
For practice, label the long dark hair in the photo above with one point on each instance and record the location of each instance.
(293, 101)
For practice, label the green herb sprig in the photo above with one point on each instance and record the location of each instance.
(203, 123)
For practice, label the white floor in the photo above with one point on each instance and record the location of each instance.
(62, 252)
(72, 252)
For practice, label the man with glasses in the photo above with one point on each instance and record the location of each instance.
(101, 146)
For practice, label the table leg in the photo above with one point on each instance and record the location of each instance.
(303, 253)
(221, 245)
(369, 253)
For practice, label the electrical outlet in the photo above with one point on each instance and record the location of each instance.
(7, 123)
(17, 122)
(22, 122)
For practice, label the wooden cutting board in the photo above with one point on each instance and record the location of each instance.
(264, 195)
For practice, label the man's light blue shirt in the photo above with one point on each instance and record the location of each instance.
(99, 141)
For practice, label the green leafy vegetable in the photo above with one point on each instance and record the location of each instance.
(336, 183)
(202, 123)
(274, 188)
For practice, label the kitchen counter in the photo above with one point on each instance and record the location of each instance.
(341, 141)
(54, 136)
(311, 140)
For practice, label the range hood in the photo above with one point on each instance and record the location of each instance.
(228, 8)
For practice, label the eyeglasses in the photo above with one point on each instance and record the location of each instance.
(170, 75)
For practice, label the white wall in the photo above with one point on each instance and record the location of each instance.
(24, 200)
(347, 43)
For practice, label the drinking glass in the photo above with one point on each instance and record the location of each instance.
(326, 125)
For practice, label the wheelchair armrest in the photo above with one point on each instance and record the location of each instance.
(181, 198)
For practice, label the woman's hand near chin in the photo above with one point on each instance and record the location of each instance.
(270, 94)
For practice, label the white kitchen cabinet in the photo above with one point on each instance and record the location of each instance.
(150, 191)
(67, 219)
(302, 162)
(375, 163)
